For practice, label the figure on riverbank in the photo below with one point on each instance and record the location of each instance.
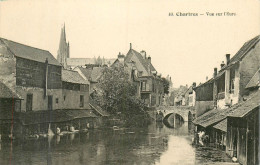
(58, 130)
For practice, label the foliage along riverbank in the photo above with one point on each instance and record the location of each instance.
(116, 93)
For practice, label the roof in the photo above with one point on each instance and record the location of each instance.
(250, 104)
(6, 92)
(255, 81)
(97, 108)
(44, 116)
(238, 56)
(143, 61)
(92, 74)
(237, 110)
(28, 52)
(72, 77)
(221, 125)
(243, 51)
(205, 83)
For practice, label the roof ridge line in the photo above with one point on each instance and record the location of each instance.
(25, 45)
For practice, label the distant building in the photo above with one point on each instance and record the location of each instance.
(64, 59)
(74, 62)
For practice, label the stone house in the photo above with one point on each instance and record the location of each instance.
(227, 86)
(243, 126)
(204, 98)
(33, 74)
(236, 73)
(75, 90)
(92, 74)
(9, 105)
(235, 98)
(150, 83)
(45, 88)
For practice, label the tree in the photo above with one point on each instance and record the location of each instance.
(165, 85)
(117, 95)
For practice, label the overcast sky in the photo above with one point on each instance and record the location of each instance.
(186, 48)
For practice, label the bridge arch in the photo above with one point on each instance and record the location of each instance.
(173, 120)
(186, 113)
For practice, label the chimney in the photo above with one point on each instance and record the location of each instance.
(215, 72)
(222, 64)
(121, 58)
(143, 53)
(193, 84)
(228, 58)
(130, 46)
(207, 78)
(149, 59)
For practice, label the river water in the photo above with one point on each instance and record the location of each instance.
(156, 144)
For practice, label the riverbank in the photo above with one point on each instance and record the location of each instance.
(155, 144)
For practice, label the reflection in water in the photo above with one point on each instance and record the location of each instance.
(156, 144)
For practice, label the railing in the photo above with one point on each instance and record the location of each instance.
(97, 108)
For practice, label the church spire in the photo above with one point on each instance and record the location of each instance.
(63, 52)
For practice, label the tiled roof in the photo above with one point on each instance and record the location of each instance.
(92, 74)
(243, 51)
(72, 77)
(29, 52)
(6, 92)
(238, 110)
(240, 54)
(45, 116)
(221, 125)
(247, 106)
(205, 83)
(255, 81)
(144, 62)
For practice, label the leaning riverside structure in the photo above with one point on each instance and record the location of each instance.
(227, 106)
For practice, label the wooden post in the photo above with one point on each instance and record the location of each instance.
(39, 130)
(79, 124)
(247, 129)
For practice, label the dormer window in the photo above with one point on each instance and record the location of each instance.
(140, 73)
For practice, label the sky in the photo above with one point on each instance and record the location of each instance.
(185, 47)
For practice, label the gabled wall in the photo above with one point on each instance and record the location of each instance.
(248, 67)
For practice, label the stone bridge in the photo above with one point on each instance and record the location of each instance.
(185, 112)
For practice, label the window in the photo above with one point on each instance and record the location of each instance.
(81, 104)
(18, 105)
(82, 87)
(64, 97)
(231, 81)
(50, 102)
(57, 100)
(29, 100)
(143, 85)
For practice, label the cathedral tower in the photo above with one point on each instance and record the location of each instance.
(64, 49)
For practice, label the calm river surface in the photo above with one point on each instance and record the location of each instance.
(156, 144)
